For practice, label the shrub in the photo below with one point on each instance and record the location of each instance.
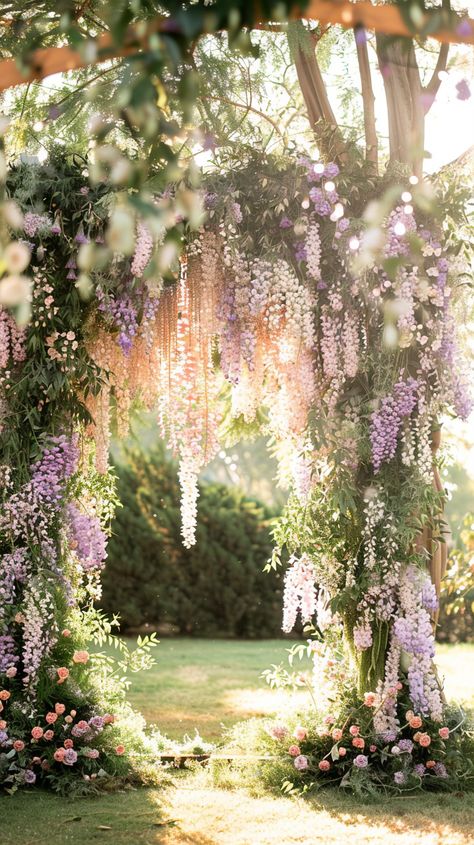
(216, 588)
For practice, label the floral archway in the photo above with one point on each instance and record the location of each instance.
(281, 302)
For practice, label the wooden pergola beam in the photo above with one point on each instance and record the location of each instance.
(384, 18)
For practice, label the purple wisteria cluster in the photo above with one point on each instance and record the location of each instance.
(386, 422)
(86, 538)
(122, 310)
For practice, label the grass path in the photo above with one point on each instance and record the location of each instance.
(206, 683)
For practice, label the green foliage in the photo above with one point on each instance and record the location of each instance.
(218, 587)
(457, 598)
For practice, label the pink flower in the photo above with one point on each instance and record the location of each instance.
(361, 761)
(59, 755)
(120, 749)
(430, 764)
(354, 730)
(92, 753)
(300, 733)
(4, 695)
(294, 751)
(342, 751)
(329, 720)
(48, 735)
(18, 745)
(337, 734)
(51, 718)
(373, 748)
(109, 720)
(80, 657)
(415, 722)
(444, 733)
(68, 719)
(301, 763)
(68, 743)
(62, 674)
(37, 732)
(424, 740)
(3, 724)
(324, 765)
(11, 671)
(369, 699)
(358, 742)
(59, 709)
(276, 731)
(66, 632)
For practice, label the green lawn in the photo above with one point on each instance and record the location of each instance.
(203, 684)
(208, 684)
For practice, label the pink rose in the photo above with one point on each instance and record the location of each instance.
(3, 724)
(373, 748)
(92, 753)
(48, 735)
(51, 718)
(444, 733)
(277, 732)
(329, 720)
(68, 743)
(424, 740)
(337, 734)
(354, 730)
(430, 764)
(415, 722)
(294, 751)
(120, 750)
(11, 671)
(342, 751)
(4, 695)
(66, 632)
(358, 742)
(301, 763)
(59, 709)
(68, 719)
(18, 745)
(324, 765)
(300, 733)
(37, 732)
(62, 674)
(80, 657)
(369, 699)
(59, 755)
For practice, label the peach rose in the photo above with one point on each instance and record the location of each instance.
(444, 733)
(324, 765)
(73, 713)
(369, 699)
(416, 736)
(337, 734)
(80, 657)
(68, 743)
(300, 733)
(120, 749)
(3, 724)
(68, 719)
(354, 730)
(51, 718)
(415, 722)
(342, 751)
(430, 764)
(59, 709)
(62, 674)
(37, 732)
(48, 735)
(424, 740)
(59, 755)
(18, 745)
(358, 742)
(109, 719)
(4, 695)
(294, 751)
